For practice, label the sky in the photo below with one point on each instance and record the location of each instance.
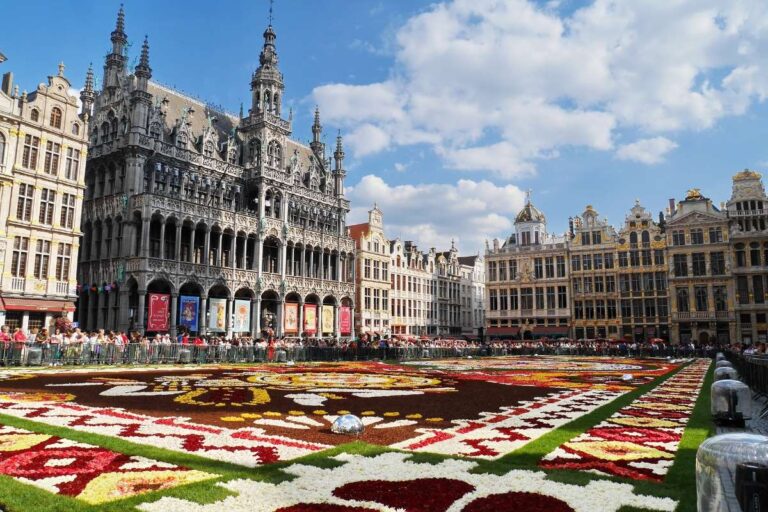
(453, 111)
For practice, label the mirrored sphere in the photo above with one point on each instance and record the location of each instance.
(348, 424)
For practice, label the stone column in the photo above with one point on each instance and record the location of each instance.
(162, 238)
(206, 256)
(260, 254)
(352, 324)
(140, 321)
(145, 223)
(92, 310)
(129, 240)
(228, 320)
(312, 264)
(339, 267)
(301, 317)
(174, 312)
(279, 317)
(219, 260)
(177, 255)
(111, 310)
(233, 251)
(202, 317)
(123, 314)
(282, 249)
(256, 318)
(336, 326)
(192, 245)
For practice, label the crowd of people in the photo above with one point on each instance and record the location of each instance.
(75, 346)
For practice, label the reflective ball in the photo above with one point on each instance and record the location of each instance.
(348, 424)
(627, 377)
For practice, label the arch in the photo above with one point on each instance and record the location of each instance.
(160, 285)
(293, 297)
(34, 115)
(270, 255)
(312, 298)
(330, 300)
(219, 291)
(191, 288)
(133, 302)
(274, 154)
(244, 292)
(646, 238)
(267, 101)
(56, 116)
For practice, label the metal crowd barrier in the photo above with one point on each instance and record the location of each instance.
(753, 370)
(23, 354)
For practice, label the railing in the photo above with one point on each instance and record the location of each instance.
(23, 354)
(17, 284)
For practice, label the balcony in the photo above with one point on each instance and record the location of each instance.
(18, 284)
(702, 315)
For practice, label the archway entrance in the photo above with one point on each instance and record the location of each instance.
(269, 318)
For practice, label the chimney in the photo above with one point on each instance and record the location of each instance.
(672, 206)
(7, 86)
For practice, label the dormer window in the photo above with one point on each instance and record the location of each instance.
(208, 149)
(75, 129)
(34, 115)
(56, 117)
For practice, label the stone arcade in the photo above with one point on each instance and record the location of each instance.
(224, 211)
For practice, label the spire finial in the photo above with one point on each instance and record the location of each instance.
(89, 77)
(528, 195)
(271, 2)
(143, 70)
(61, 68)
(120, 25)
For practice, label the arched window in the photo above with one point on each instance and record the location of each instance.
(2, 148)
(75, 129)
(276, 104)
(254, 151)
(34, 115)
(633, 239)
(208, 149)
(267, 101)
(56, 117)
(274, 154)
(646, 237)
(104, 132)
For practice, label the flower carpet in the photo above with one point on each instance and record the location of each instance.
(522, 433)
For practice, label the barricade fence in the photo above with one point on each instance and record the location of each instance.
(753, 370)
(31, 354)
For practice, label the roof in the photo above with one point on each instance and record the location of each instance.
(468, 260)
(356, 231)
(530, 213)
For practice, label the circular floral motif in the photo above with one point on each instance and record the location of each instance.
(518, 502)
(312, 380)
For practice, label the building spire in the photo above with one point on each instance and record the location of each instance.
(338, 155)
(118, 37)
(317, 131)
(87, 95)
(143, 70)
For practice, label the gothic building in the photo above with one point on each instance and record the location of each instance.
(197, 218)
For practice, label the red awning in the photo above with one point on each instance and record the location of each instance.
(551, 329)
(503, 331)
(37, 305)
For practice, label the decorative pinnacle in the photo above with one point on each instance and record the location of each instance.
(144, 61)
(61, 68)
(89, 78)
(120, 27)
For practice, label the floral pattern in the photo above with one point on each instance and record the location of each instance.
(640, 441)
(86, 472)
(390, 482)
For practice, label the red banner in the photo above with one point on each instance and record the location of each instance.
(345, 320)
(310, 319)
(157, 319)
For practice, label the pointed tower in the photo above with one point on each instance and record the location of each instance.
(114, 66)
(141, 100)
(317, 131)
(87, 95)
(339, 173)
(267, 81)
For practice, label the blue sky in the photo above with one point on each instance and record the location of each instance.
(452, 110)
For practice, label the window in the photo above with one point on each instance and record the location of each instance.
(549, 267)
(650, 308)
(596, 237)
(678, 237)
(715, 235)
(367, 298)
(561, 266)
(56, 117)
(587, 285)
(47, 203)
(754, 254)
(537, 268)
(661, 282)
(585, 238)
(700, 293)
(63, 259)
(24, 204)
(586, 262)
(52, 152)
(75, 129)
(623, 261)
(683, 304)
(2, 148)
(494, 300)
(681, 265)
(512, 269)
(698, 264)
(658, 257)
(34, 115)
(611, 309)
(578, 310)
(626, 308)
(741, 255)
(608, 260)
(662, 307)
(19, 261)
(562, 297)
(759, 291)
(72, 165)
(575, 263)
(610, 284)
(526, 298)
(742, 290)
(697, 236)
(634, 258)
(208, 149)
(720, 296)
(29, 155)
(599, 284)
(492, 271)
(503, 302)
(646, 256)
(42, 255)
(67, 218)
(717, 263)
(539, 298)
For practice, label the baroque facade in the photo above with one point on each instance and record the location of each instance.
(472, 295)
(527, 281)
(700, 281)
(372, 286)
(239, 227)
(43, 146)
(413, 298)
(747, 211)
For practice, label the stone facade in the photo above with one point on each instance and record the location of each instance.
(748, 215)
(472, 295)
(372, 286)
(527, 281)
(413, 297)
(222, 212)
(43, 146)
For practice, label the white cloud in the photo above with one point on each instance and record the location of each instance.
(366, 139)
(432, 214)
(646, 151)
(476, 76)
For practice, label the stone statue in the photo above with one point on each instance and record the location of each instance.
(295, 161)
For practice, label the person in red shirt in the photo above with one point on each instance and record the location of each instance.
(19, 336)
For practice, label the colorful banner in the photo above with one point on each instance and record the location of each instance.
(345, 320)
(242, 315)
(157, 319)
(310, 319)
(188, 312)
(291, 318)
(327, 320)
(217, 315)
